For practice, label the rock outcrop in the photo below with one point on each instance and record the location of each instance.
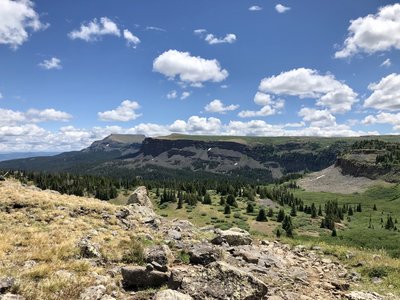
(140, 197)
(233, 237)
(141, 277)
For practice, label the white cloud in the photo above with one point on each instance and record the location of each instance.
(317, 118)
(131, 39)
(386, 93)
(190, 69)
(307, 83)
(373, 33)
(270, 106)
(49, 114)
(17, 19)
(53, 63)
(172, 95)
(155, 28)
(281, 8)
(255, 8)
(211, 39)
(216, 106)
(94, 30)
(386, 63)
(11, 117)
(384, 118)
(185, 95)
(123, 113)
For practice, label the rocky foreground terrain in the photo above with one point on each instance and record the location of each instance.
(65, 247)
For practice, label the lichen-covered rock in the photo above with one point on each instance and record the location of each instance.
(357, 295)
(233, 237)
(6, 283)
(160, 254)
(218, 280)
(204, 253)
(88, 250)
(139, 196)
(171, 295)
(141, 277)
(93, 293)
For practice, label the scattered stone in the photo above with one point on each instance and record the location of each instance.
(88, 250)
(341, 285)
(203, 254)
(6, 283)
(218, 280)
(9, 296)
(174, 234)
(139, 277)
(139, 196)
(29, 264)
(357, 295)
(171, 295)
(159, 267)
(93, 293)
(233, 237)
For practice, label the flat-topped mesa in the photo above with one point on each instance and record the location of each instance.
(116, 142)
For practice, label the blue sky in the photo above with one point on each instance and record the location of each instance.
(70, 74)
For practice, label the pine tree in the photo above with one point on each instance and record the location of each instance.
(288, 226)
(375, 209)
(334, 233)
(250, 208)
(262, 217)
(281, 215)
(313, 211)
(278, 233)
(207, 199)
(350, 212)
(293, 211)
(227, 210)
(270, 213)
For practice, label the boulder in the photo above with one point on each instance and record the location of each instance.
(171, 295)
(6, 283)
(160, 254)
(88, 250)
(204, 254)
(218, 280)
(93, 293)
(140, 277)
(233, 237)
(139, 196)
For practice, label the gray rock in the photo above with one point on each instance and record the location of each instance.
(93, 293)
(204, 253)
(9, 296)
(233, 237)
(6, 283)
(218, 280)
(357, 295)
(171, 295)
(88, 250)
(139, 277)
(160, 254)
(159, 267)
(139, 196)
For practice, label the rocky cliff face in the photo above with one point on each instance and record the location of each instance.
(64, 247)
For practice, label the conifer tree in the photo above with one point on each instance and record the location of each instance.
(262, 217)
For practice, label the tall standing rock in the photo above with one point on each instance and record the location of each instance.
(140, 197)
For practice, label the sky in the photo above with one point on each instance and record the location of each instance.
(74, 72)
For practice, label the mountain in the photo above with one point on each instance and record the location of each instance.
(251, 158)
(18, 155)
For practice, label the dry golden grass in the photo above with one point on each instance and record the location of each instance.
(45, 227)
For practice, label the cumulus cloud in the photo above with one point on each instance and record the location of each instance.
(17, 19)
(185, 95)
(386, 63)
(198, 125)
(213, 40)
(317, 118)
(216, 106)
(172, 95)
(384, 118)
(190, 69)
(11, 117)
(281, 8)
(386, 93)
(131, 39)
(94, 30)
(123, 113)
(255, 8)
(306, 83)
(53, 63)
(373, 33)
(270, 106)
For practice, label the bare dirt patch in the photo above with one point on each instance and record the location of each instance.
(331, 180)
